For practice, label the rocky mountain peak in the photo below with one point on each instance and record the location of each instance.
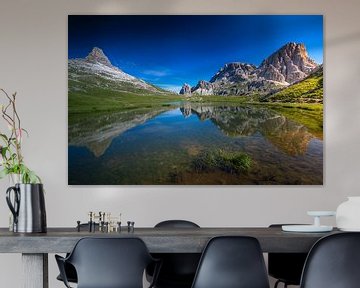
(96, 64)
(203, 88)
(97, 56)
(185, 89)
(289, 64)
(234, 72)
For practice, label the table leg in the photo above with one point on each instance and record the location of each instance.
(35, 270)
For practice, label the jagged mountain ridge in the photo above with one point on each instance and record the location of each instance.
(285, 66)
(234, 72)
(185, 89)
(289, 64)
(96, 71)
(203, 88)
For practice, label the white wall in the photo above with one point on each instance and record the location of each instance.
(33, 62)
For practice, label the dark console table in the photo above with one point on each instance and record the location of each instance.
(35, 247)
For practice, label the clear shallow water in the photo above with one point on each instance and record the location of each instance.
(160, 147)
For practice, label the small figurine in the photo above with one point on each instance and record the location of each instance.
(90, 221)
(78, 226)
(130, 226)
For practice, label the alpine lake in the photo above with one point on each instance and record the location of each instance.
(195, 143)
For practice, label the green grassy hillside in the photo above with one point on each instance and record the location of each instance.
(309, 90)
(91, 94)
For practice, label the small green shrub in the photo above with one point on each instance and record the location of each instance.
(229, 161)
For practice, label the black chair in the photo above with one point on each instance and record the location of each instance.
(178, 269)
(108, 263)
(333, 262)
(286, 267)
(232, 262)
(176, 224)
(69, 269)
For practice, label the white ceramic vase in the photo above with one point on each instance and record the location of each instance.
(348, 215)
(14, 179)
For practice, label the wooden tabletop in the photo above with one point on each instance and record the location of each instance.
(158, 240)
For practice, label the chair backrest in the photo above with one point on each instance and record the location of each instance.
(176, 224)
(286, 266)
(232, 262)
(333, 262)
(177, 267)
(110, 262)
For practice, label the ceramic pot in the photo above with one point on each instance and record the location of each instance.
(348, 215)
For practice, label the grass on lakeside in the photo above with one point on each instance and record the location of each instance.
(223, 99)
(101, 101)
(253, 100)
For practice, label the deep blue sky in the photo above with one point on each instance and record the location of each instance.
(171, 50)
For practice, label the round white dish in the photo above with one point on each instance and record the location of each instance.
(321, 213)
(306, 228)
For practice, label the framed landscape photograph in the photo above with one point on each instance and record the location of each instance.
(195, 100)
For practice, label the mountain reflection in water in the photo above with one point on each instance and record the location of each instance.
(288, 136)
(97, 132)
(159, 146)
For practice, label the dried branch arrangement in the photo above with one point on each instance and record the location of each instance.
(11, 159)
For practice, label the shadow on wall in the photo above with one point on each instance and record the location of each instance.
(344, 39)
